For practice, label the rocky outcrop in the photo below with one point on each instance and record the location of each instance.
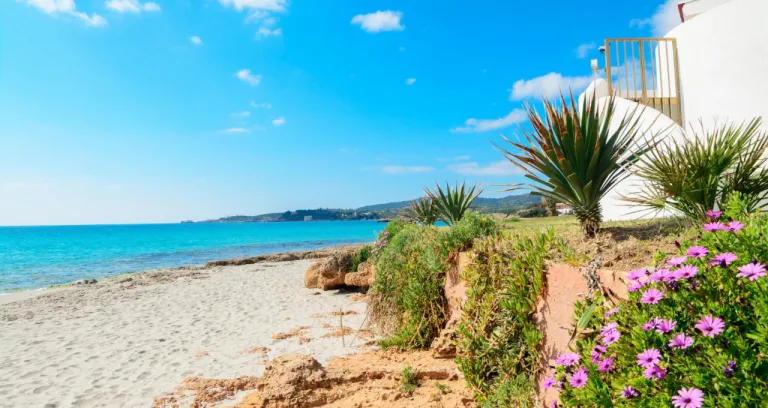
(455, 290)
(328, 273)
(287, 256)
(366, 273)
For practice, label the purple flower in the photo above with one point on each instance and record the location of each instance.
(714, 214)
(687, 272)
(697, 251)
(635, 286)
(648, 358)
(605, 365)
(549, 382)
(609, 327)
(636, 274)
(681, 341)
(734, 226)
(729, 369)
(666, 326)
(567, 359)
(629, 392)
(579, 378)
(652, 296)
(724, 259)
(553, 404)
(752, 271)
(714, 226)
(652, 324)
(612, 312)
(660, 275)
(611, 337)
(710, 326)
(676, 261)
(597, 353)
(688, 398)
(655, 372)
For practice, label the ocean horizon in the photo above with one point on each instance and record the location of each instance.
(33, 257)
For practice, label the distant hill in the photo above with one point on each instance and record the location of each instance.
(377, 211)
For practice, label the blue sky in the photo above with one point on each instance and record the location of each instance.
(127, 111)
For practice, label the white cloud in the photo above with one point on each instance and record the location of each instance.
(256, 5)
(498, 168)
(263, 105)
(463, 157)
(266, 32)
(67, 7)
(269, 22)
(279, 121)
(666, 17)
(235, 130)
(195, 40)
(243, 114)
(410, 81)
(583, 50)
(485, 125)
(405, 169)
(131, 6)
(246, 76)
(548, 86)
(379, 21)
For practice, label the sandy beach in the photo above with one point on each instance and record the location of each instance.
(124, 341)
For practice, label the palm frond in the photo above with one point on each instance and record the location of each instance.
(453, 202)
(424, 211)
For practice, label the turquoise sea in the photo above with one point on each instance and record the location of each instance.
(35, 257)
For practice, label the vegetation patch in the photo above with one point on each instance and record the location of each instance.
(360, 256)
(498, 340)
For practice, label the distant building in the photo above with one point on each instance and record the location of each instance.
(564, 209)
(307, 218)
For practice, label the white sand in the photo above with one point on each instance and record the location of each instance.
(122, 343)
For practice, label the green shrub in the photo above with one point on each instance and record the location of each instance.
(498, 340)
(722, 277)
(387, 233)
(362, 255)
(409, 380)
(461, 235)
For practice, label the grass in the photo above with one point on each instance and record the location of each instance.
(409, 380)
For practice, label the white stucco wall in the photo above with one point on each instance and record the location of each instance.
(723, 57)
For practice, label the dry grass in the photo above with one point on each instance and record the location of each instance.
(295, 332)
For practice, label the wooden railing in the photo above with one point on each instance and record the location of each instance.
(645, 70)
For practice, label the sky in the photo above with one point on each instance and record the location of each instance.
(130, 111)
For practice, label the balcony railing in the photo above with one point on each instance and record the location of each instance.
(645, 70)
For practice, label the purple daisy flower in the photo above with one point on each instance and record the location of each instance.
(729, 369)
(651, 324)
(723, 259)
(655, 372)
(686, 272)
(597, 353)
(553, 404)
(681, 341)
(605, 365)
(611, 312)
(636, 274)
(579, 378)
(567, 359)
(549, 382)
(609, 327)
(611, 337)
(714, 214)
(648, 358)
(734, 226)
(688, 398)
(634, 286)
(697, 251)
(652, 296)
(676, 261)
(714, 226)
(666, 326)
(659, 275)
(752, 271)
(710, 326)
(629, 392)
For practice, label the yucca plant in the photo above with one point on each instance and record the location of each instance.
(453, 202)
(577, 157)
(424, 211)
(699, 172)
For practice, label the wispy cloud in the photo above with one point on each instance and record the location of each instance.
(379, 21)
(405, 169)
(67, 7)
(246, 76)
(485, 125)
(583, 50)
(279, 121)
(662, 21)
(195, 40)
(262, 105)
(266, 32)
(463, 157)
(497, 168)
(234, 130)
(256, 5)
(243, 114)
(548, 86)
(132, 6)
(410, 81)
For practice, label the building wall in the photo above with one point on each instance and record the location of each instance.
(723, 57)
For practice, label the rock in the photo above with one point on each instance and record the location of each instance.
(455, 289)
(289, 381)
(328, 273)
(311, 275)
(613, 285)
(364, 277)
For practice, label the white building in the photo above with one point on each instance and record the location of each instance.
(712, 68)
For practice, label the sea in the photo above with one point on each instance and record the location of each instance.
(42, 256)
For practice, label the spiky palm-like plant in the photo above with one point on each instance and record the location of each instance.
(424, 211)
(577, 156)
(453, 202)
(700, 172)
